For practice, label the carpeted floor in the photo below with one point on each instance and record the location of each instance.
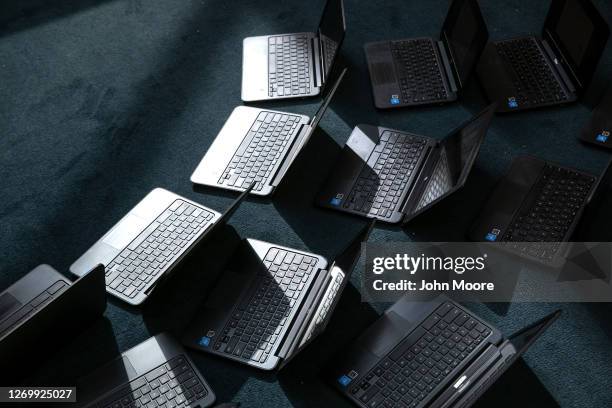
(103, 100)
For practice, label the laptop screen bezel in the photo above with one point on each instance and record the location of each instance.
(601, 31)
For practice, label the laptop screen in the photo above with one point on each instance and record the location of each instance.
(465, 35)
(579, 32)
(331, 32)
(457, 154)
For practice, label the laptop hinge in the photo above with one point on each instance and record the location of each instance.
(556, 62)
(293, 336)
(292, 153)
(317, 67)
(450, 72)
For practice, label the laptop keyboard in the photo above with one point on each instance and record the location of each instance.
(420, 77)
(533, 78)
(378, 189)
(140, 264)
(258, 322)
(548, 211)
(264, 145)
(288, 65)
(32, 306)
(173, 384)
(408, 376)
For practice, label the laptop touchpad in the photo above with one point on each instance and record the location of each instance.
(382, 73)
(126, 231)
(8, 303)
(383, 335)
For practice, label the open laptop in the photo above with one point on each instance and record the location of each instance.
(530, 72)
(434, 354)
(421, 71)
(393, 176)
(597, 130)
(155, 373)
(149, 242)
(295, 65)
(257, 146)
(536, 208)
(40, 311)
(270, 302)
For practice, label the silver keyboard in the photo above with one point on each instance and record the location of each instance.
(288, 65)
(146, 259)
(265, 144)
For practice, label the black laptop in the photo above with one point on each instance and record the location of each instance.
(422, 71)
(271, 302)
(40, 311)
(434, 354)
(537, 206)
(531, 72)
(597, 130)
(393, 176)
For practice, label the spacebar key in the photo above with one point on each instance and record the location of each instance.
(135, 243)
(407, 343)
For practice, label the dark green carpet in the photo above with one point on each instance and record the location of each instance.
(101, 101)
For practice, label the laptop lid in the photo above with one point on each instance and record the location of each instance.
(465, 35)
(346, 261)
(34, 338)
(457, 154)
(331, 31)
(310, 128)
(579, 34)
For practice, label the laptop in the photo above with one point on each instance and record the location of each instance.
(597, 130)
(421, 71)
(257, 146)
(393, 176)
(531, 72)
(434, 354)
(149, 242)
(271, 302)
(155, 373)
(537, 206)
(40, 311)
(295, 65)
